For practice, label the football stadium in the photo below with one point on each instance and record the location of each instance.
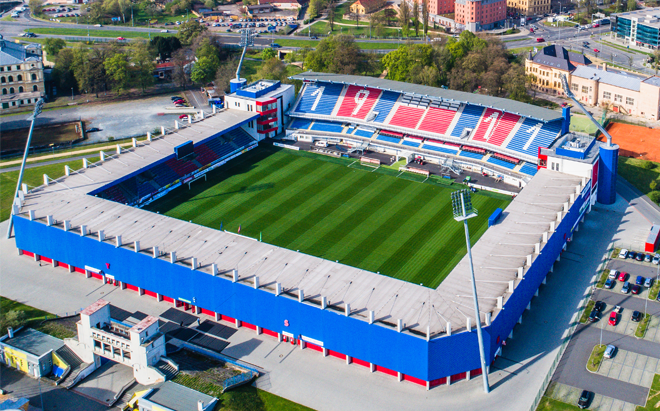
(325, 219)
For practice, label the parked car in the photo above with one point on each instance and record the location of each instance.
(540, 39)
(647, 258)
(648, 283)
(613, 274)
(120, 38)
(594, 315)
(636, 289)
(583, 401)
(609, 284)
(275, 46)
(639, 257)
(639, 280)
(183, 117)
(626, 288)
(600, 306)
(656, 259)
(164, 31)
(613, 319)
(174, 98)
(636, 316)
(92, 130)
(623, 253)
(632, 255)
(609, 351)
(596, 25)
(623, 276)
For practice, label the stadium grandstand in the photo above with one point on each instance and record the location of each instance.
(92, 221)
(480, 131)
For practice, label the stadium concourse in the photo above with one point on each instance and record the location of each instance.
(415, 333)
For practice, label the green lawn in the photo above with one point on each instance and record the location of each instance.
(549, 404)
(33, 177)
(596, 358)
(653, 401)
(66, 31)
(587, 311)
(315, 204)
(631, 170)
(582, 124)
(323, 28)
(34, 317)
(314, 43)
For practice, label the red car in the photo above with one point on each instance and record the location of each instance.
(596, 51)
(636, 289)
(183, 117)
(540, 39)
(623, 276)
(120, 38)
(613, 319)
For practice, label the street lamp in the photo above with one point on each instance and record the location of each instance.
(33, 117)
(71, 93)
(462, 207)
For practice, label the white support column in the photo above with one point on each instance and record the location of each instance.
(118, 149)
(118, 242)
(67, 170)
(500, 302)
(325, 352)
(449, 380)
(193, 263)
(37, 257)
(521, 270)
(399, 325)
(303, 345)
(159, 297)
(54, 262)
(279, 337)
(156, 252)
(162, 130)
(511, 286)
(520, 320)
(234, 276)
(20, 252)
(349, 359)
(258, 330)
(214, 269)
(201, 114)
(85, 163)
(88, 274)
(428, 385)
(189, 118)
(172, 257)
(301, 296)
(467, 375)
(372, 367)
(134, 141)
(70, 268)
(552, 226)
(46, 181)
(136, 246)
(428, 333)
(468, 324)
(545, 236)
(278, 289)
(148, 135)
(102, 155)
(529, 260)
(487, 319)
(529, 306)
(49, 220)
(239, 324)
(536, 293)
(67, 225)
(544, 279)
(256, 282)
(31, 216)
(537, 248)
(372, 317)
(399, 376)
(24, 187)
(214, 109)
(101, 234)
(176, 124)
(217, 316)
(174, 301)
(83, 230)
(448, 329)
(324, 302)
(347, 310)
(140, 291)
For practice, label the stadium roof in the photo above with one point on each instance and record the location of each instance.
(512, 106)
(498, 254)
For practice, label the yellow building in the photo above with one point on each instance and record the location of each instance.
(32, 352)
(366, 6)
(546, 67)
(529, 7)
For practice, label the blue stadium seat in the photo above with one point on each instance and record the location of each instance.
(364, 133)
(501, 163)
(300, 123)
(411, 143)
(441, 149)
(388, 139)
(327, 126)
(319, 98)
(529, 168)
(471, 155)
(469, 119)
(533, 134)
(385, 104)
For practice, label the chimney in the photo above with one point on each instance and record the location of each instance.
(10, 332)
(604, 66)
(200, 405)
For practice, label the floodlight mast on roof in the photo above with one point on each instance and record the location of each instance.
(33, 117)
(462, 207)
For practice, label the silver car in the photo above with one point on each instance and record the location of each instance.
(609, 351)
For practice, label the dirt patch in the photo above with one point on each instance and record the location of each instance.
(635, 141)
(57, 136)
(208, 369)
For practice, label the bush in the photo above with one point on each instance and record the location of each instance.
(647, 165)
(655, 196)
(653, 185)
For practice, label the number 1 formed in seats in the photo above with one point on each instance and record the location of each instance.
(318, 93)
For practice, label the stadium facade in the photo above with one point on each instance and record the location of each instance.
(90, 221)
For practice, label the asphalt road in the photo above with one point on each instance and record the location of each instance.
(639, 201)
(572, 367)
(47, 163)
(627, 301)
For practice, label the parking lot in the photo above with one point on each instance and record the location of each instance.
(630, 367)
(634, 269)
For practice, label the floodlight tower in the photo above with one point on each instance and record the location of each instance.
(462, 206)
(33, 117)
(247, 40)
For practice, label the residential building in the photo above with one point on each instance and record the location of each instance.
(288, 4)
(270, 98)
(640, 27)
(366, 6)
(259, 8)
(477, 15)
(549, 63)
(529, 7)
(438, 7)
(137, 343)
(619, 91)
(172, 396)
(21, 75)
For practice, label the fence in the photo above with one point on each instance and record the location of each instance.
(96, 39)
(569, 336)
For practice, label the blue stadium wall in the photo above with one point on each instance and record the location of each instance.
(411, 355)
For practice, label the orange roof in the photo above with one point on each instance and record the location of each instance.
(94, 307)
(144, 324)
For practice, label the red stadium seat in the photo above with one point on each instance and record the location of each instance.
(437, 120)
(407, 117)
(495, 127)
(358, 101)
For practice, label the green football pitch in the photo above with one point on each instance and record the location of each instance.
(320, 206)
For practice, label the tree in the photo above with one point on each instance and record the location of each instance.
(124, 7)
(314, 7)
(181, 60)
(63, 71)
(226, 72)
(52, 46)
(204, 70)
(374, 20)
(390, 15)
(406, 62)
(340, 54)
(273, 69)
(415, 17)
(117, 69)
(304, 52)
(36, 7)
(12, 319)
(425, 16)
(617, 6)
(656, 59)
(96, 12)
(268, 53)
(404, 17)
(188, 31)
(331, 16)
(356, 17)
(141, 57)
(165, 46)
(653, 185)
(209, 4)
(515, 83)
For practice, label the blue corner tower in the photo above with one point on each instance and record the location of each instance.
(607, 169)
